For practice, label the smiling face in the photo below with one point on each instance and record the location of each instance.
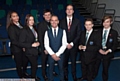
(54, 21)
(30, 21)
(47, 16)
(69, 10)
(107, 23)
(14, 17)
(88, 25)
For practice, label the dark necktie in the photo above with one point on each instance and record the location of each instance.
(69, 25)
(55, 33)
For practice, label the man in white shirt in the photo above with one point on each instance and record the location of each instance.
(55, 43)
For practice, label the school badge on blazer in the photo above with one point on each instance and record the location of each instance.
(110, 40)
(91, 42)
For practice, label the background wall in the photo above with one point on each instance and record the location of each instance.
(112, 4)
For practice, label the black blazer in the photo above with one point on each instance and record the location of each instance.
(26, 40)
(111, 43)
(42, 27)
(14, 33)
(92, 46)
(74, 34)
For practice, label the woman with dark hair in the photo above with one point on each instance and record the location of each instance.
(28, 41)
(14, 28)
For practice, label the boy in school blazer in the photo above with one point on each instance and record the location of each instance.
(88, 46)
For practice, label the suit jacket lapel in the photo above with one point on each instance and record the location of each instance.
(72, 24)
(108, 37)
(66, 27)
(30, 33)
(84, 37)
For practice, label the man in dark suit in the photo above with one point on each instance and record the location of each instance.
(55, 43)
(72, 27)
(42, 27)
(88, 46)
(108, 40)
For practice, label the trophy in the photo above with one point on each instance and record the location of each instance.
(36, 39)
(104, 48)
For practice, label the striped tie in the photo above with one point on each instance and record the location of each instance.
(104, 39)
(86, 38)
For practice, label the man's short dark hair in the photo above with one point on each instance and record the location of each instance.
(46, 11)
(89, 19)
(70, 5)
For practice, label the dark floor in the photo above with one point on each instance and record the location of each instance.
(7, 63)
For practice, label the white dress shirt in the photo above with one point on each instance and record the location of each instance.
(68, 20)
(67, 25)
(61, 49)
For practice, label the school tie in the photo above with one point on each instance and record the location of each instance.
(86, 38)
(104, 39)
(34, 32)
(55, 33)
(69, 25)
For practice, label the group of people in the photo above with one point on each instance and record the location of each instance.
(59, 41)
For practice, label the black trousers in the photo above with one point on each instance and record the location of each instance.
(87, 70)
(44, 58)
(33, 62)
(70, 53)
(105, 65)
(20, 58)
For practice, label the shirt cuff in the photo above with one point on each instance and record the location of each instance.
(110, 50)
(71, 44)
(51, 53)
(57, 54)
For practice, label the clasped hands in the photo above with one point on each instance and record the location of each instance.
(103, 52)
(81, 47)
(55, 57)
(35, 44)
(69, 46)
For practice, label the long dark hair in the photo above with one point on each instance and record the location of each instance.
(9, 20)
(27, 19)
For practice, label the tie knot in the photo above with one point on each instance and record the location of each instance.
(87, 33)
(106, 31)
(32, 28)
(69, 20)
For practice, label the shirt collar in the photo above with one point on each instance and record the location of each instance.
(107, 29)
(31, 27)
(89, 31)
(55, 28)
(18, 24)
(69, 18)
